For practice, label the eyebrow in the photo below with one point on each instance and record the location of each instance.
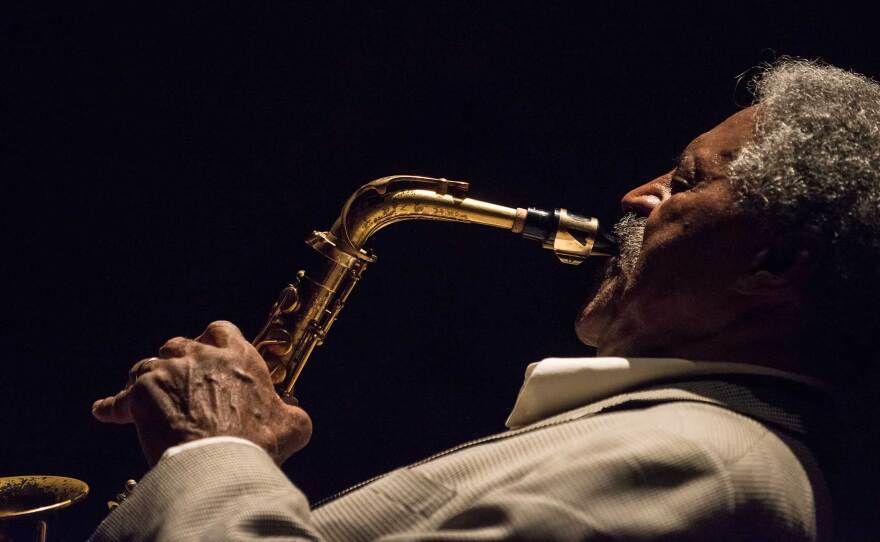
(676, 160)
(680, 158)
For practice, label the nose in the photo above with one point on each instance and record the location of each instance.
(643, 199)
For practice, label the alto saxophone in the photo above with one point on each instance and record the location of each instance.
(306, 309)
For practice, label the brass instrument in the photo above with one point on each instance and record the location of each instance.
(305, 310)
(27, 502)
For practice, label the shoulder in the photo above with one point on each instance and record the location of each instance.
(720, 465)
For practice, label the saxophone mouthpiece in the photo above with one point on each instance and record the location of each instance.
(572, 237)
(605, 244)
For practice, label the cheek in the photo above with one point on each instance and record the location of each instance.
(677, 290)
(671, 220)
(702, 215)
(682, 252)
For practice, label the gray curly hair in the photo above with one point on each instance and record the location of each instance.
(815, 159)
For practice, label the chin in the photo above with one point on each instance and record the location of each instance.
(594, 318)
(586, 337)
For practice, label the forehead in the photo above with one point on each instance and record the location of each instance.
(722, 142)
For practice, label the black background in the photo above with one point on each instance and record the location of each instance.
(163, 165)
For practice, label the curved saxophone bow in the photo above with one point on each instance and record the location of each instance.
(305, 310)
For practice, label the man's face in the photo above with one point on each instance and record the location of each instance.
(677, 285)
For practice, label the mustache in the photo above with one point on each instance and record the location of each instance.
(629, 232)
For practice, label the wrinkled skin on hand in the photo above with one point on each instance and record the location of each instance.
(216, 384)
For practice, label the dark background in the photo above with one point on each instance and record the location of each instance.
(163, 164)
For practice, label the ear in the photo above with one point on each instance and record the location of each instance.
(785, 264)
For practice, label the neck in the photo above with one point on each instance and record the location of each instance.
(768, 337)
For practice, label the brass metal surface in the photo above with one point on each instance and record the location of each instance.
(574, 237)
(28, 495)
(418, 204)
(27, 504)
(306, 309)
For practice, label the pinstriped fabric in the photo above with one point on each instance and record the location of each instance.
(675, 462)
(226, 480)
(730, 436)
(416, 492)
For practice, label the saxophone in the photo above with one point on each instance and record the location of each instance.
(306, 309)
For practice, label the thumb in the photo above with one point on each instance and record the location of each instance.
(297, 431)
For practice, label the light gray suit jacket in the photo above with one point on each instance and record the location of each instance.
(697, 460)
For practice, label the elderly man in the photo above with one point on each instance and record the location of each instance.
(750, 256)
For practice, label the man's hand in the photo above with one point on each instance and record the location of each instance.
(216, 384)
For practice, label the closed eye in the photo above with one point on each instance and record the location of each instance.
(680, 178)
(680, 184)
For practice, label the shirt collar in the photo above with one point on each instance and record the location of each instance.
(554, 385)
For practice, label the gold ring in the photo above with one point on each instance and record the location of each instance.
(145, 367)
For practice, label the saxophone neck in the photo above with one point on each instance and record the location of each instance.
(396, 198)
(385, 201)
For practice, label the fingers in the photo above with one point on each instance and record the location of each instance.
(140, 368)
(175, 348)
(117, 408)
(221, 334)
(114, 409)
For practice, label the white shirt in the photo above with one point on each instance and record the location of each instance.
(554, 385)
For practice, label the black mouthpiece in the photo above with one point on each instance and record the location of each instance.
(540, 225)
(605, 243)
(571, 236)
